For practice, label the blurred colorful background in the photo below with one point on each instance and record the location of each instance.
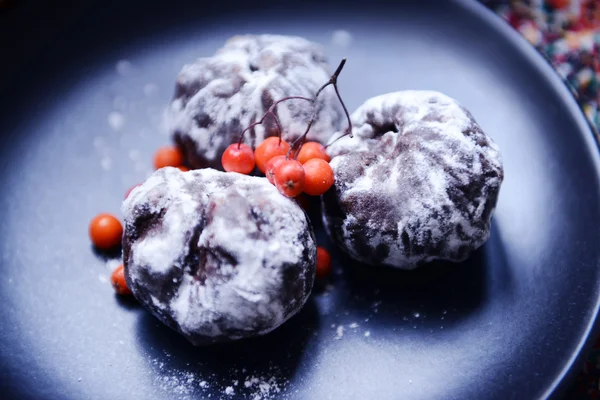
(567, 33)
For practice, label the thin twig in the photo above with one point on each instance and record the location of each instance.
(300, 140)
(349, 128)
(270, 112)
(332, 81)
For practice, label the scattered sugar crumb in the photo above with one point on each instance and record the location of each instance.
(102, 278)
(183, 384)
(124, 67)
(263, 388)
(112, 264)
(333, 325)
(410, 381)
(150, 89)
(339, 332)
(353, 325)
(251, 381)
(116, 120)
(367, 333)
(416, 315)
(106, 163)
(341, 38)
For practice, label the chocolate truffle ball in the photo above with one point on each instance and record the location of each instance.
(418, 182)
(217, 256)
(217, 97)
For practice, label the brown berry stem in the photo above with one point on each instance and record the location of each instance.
(271, 111)
(297, 144)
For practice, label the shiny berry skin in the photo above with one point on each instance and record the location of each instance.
(238, 158)
(289, 178)
(269, 148)
(318, 177)
(323, 262)
(167, 156)
(183, 168)
(117, 279)
(310, 150)
(270, 169)
(106, 231)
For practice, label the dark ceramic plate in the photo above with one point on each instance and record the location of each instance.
(79, 125)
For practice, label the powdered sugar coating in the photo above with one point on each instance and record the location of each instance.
(418, 181)
(219, 96)
(217, 256)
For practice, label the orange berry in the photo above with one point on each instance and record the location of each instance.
(270, 168)
(167, 156)
(269, 148)
(289, 178)
(238, 158)
(131, 189)
(183, 168)
(323, 262)
(310, 150)
(106, 231)
(117, 279)
(318, 177)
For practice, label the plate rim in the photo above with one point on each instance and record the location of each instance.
(571, 367)
(564, 379)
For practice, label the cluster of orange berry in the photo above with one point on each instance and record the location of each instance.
(106, 230)
(308, 172)
(293, 169)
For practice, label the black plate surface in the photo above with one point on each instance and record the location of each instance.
(79, 125)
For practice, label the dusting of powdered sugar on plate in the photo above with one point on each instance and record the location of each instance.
(240, 383)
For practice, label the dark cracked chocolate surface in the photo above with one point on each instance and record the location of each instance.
(217, 97)
(418, 182)
(217, 256)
